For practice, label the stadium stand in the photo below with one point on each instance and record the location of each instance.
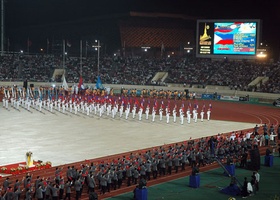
(140, 71)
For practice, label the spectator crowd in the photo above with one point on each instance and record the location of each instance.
(140, 71)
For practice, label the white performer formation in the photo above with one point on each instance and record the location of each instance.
(102, 106)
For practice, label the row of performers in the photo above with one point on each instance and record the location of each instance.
(22, 92)
(46, 91)
(104, 108)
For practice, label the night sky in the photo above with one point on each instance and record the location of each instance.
(26, 16)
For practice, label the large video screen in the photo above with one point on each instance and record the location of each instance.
(221, 37)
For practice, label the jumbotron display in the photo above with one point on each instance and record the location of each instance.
(227, 37)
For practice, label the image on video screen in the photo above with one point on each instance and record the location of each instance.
(235, 38)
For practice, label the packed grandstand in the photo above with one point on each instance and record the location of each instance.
(140, 71)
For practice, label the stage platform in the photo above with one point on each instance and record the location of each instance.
(67, 138)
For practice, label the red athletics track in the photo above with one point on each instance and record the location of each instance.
(245, 112)
(228, 111)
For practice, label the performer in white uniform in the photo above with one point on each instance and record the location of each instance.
(147, 111)
(195, 115)
(167, 115)
(153, 114)
(51, 106)
(201, 115)
(193, 111)
(189, 116)
(134, 111)
(160, 113)
(18, 103)
(4, 101)
(127, 110)
(7, 103)
(174, 114)
(140, 113)
(208, 114)
(181, 112)
(121, 111)
(40, 105)
(114, 111)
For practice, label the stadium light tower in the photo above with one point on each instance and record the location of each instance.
(2, 27)
(63, 54)
(98, 54)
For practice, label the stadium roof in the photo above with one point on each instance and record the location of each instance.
(163, 15)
